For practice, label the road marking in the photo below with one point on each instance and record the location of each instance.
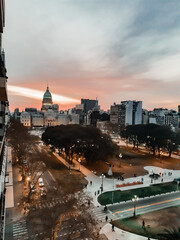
(151, 204)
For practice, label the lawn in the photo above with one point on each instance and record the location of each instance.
(155, 222)
(120, 196)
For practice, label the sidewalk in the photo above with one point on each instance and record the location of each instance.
(119, 234)
(14, 189)
(9, 200)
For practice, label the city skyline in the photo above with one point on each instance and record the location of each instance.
(127, 50)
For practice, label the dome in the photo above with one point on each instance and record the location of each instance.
(47, 100)
(47, 95)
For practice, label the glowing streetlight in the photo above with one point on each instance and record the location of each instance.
(135, 199)
(120, 156)
(102, 176)
(28, 179)
(79, 160)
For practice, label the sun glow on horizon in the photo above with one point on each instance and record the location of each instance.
(37, 94)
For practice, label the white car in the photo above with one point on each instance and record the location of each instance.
(41, 183)
(42, 192)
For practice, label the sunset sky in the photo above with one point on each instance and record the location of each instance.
(110, 49)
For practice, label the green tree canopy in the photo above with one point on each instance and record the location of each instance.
(86, 141)
(155, 136)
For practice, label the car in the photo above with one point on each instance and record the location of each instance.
(41, 183)
(24, 161)
(42, 192)
(33, 188)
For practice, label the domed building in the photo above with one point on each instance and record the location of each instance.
(47, 101)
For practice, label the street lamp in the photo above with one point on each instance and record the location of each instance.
(28, 179)
(135, 199)
(79, 160)
(102, 176)
(177, 185)
(120, 156)
(113, 192)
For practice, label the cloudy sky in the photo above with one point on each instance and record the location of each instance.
(110, 49)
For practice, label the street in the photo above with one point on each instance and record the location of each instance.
(125, 210)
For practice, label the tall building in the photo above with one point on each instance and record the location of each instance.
(88, 104)
(47, 101)
(126, 113)
(114, 113)
(3, 123)
(133, 112)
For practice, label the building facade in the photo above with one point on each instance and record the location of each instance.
(3, 122)
(126, 113)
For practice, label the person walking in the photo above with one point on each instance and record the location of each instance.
(106, 218)
(105, 208)
(143, 224)
(113, 227)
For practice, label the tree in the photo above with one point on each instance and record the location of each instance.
(20, 140)
(155, 136)
(81, 141)
(170, 234)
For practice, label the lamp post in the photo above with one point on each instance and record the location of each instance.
(113, 192)
(120, 156)
(79, 160)
(135, 199)
(102, 176)
(28, 181)
(177, 185)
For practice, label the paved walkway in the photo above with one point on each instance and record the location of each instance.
(9, 200)
(119, 234)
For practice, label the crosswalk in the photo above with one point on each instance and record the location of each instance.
(47, 204)
(20, 230)
(101, 214)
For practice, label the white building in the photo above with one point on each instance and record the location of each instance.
(25, 119)
(50, 118)
(133, 112)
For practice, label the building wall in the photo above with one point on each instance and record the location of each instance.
(37, 120)
(2, 119)
(138, 112)
(63, 119)
(3, 122)
(114, 113)
(88, 104)
(74, 119)
(25, 119)
(145, 117)
(128, 113)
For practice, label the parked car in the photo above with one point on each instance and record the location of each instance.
(41, 183)
(42, 192)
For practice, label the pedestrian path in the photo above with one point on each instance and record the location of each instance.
(9, 200)
(119, 234)
(20, 230)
